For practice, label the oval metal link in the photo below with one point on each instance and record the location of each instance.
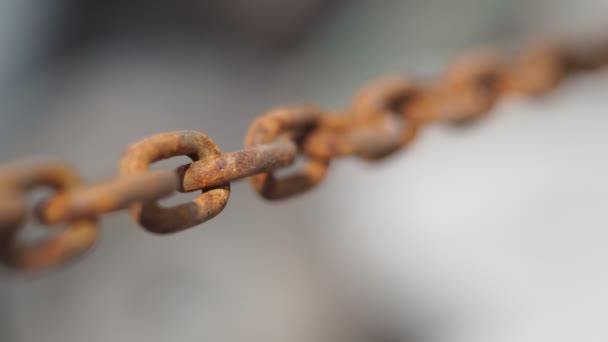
(76, 238)
(470, 86)
(383, 96)
(197, 146)
(294, 123)
(373, 140)
(387, 97)
(536, 71)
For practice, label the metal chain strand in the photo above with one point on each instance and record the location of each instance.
(384, 116)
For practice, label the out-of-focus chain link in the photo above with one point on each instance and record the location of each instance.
(384, 117)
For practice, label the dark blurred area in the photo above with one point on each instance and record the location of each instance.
(270, 24)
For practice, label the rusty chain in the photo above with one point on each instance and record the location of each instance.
(385, 116)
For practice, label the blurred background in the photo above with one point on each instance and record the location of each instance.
(495, 232)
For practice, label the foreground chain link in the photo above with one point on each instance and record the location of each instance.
(384, 117)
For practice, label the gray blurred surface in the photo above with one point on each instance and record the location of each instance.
(492, 233)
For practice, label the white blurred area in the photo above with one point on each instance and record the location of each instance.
(491, 233)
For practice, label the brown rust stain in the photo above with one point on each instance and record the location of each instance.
(294, 122)
(115, 194)
(197, 146)
(228, 167)
(64, 245)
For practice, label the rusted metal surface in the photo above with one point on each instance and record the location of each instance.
(296, 123)
(153, 217)
(77, 237)
(221, 169)
(375, 139)
(106, 197)
(537, 71)
(470, 86)
(383, 117)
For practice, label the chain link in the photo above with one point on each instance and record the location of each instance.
(384, 117)
(78, 236)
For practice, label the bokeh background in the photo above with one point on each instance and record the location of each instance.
(495, 232)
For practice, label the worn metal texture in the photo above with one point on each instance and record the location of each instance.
(295, 122)
(106, 197)
(150, 215)
(77, 237)
(222, 169)
(383, 117)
